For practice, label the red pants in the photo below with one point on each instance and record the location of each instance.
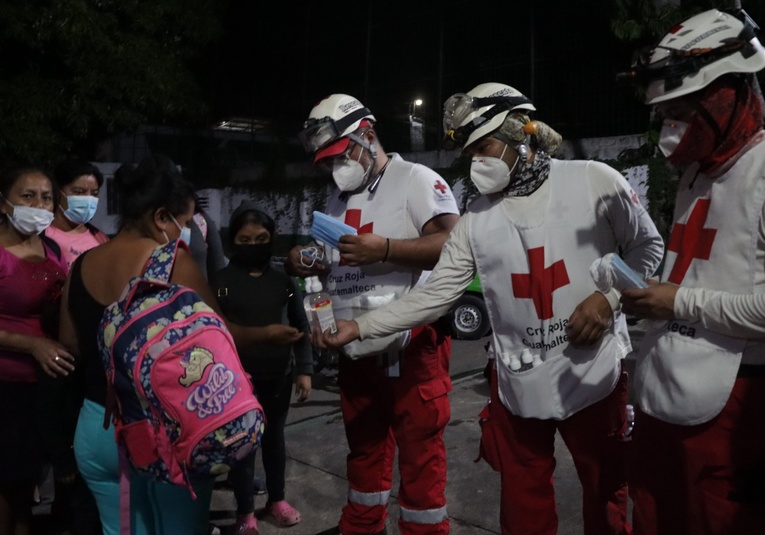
(706, 479)
(410, 411)
(524, 455)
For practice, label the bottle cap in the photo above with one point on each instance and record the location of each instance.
(317, 287)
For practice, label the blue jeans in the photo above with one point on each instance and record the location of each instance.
(155, 508)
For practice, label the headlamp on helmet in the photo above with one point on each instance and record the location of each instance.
(458, 124)
(318, 133)
(697, 51)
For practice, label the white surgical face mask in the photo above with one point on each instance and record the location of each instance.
(28, 221)
(349, 175)
(671, 134)
(490, 174)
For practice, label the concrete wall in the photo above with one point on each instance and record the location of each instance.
(292, 214)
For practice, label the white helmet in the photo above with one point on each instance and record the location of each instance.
(699, 50)
(334, 119)
(475, 114)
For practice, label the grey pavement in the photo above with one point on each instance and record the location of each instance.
(316, 451)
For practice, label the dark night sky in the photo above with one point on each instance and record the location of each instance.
(278, 59)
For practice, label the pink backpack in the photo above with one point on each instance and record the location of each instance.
(185, 405)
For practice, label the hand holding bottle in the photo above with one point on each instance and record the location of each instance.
(347, 331)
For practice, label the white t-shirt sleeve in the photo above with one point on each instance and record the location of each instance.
(429, 196)
(642, 247)
(739, 315)
(425, 304)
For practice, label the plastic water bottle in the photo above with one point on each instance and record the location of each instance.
(527, 360)
(318, 306)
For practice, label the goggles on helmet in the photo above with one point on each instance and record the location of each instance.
(680, 63)
(318, 133)
(460, 106)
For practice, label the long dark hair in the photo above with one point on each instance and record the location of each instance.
(70, 170)
(155, 183)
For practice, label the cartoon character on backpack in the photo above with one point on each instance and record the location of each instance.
(185, 406)
(195, 363)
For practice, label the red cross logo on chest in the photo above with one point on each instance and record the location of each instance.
(540, 284)
(353, 219)
(691, 240)
(440, 186)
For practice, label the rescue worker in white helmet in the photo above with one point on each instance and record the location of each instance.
(393, 391)
(700, 376)
(557, 341)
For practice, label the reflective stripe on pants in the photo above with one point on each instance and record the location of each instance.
(369, 499)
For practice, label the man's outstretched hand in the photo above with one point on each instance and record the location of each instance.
(347, 331)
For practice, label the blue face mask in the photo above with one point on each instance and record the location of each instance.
(81, 208)
(185, 235)
(185, 232)
(328, 230)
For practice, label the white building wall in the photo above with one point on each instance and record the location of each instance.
(293, 213)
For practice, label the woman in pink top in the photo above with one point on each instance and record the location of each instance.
(79, 183)
(31, 277)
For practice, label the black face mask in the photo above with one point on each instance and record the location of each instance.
(255, 256)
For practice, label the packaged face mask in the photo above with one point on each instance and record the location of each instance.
(329, 230)
(611, 272)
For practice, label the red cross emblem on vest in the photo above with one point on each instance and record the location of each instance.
(691, 240)
(440, 186)
(541, 282)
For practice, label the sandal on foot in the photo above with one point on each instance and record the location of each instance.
(246, 526)
(284, 513)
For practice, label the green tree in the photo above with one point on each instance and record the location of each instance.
(75, 71)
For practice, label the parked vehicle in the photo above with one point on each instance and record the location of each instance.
(469, 316)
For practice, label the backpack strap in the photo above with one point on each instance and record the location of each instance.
(221, 286)
(159, 266)
(156, 271)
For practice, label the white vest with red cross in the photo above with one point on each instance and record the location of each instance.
(684, 372)
(407, 196)
(533, 256)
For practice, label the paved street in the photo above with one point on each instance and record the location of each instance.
(316, 449)
(316, 446)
